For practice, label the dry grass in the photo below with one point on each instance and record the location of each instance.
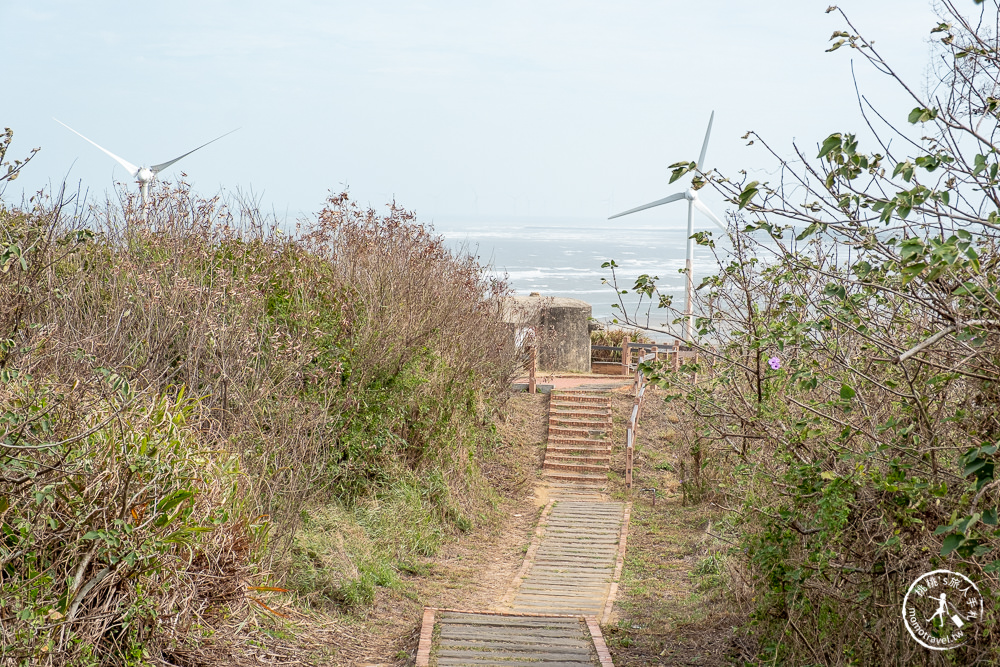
(674, 604)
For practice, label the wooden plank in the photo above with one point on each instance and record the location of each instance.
(514, 662)
(540, 621)
(520, 649)
(503, 642)
(473, 662)
(548, 603)
(509, 658)
(570, 538)
(551, 597)
(564, 589)
(589, 579)
(603, 553)
(494, 659)
(541, 633)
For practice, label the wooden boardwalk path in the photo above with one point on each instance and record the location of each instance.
(492, 639)
(574, 566)
(550, 614)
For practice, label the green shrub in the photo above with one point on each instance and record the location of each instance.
(851, 400)
(112, 520)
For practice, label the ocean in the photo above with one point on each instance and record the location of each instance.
(563, 257)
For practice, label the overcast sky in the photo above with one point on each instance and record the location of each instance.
(455, 108)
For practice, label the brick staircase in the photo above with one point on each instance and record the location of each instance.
(578, 450)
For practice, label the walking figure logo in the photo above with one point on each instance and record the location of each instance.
(941, 608)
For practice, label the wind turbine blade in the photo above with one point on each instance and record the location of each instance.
(658, 202)
(157, 168)
(704, 146)
(700, 205)
(131, 168)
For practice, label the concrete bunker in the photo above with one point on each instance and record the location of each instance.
(561, 329)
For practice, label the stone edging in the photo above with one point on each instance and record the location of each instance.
(426, 638)
(599, 645)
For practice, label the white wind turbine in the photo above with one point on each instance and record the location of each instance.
(694, 202)
(142, 175)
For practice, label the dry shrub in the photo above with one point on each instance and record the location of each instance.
(325, 366)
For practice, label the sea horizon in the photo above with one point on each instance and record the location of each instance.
(562, 257)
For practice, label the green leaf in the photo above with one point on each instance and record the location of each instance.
(173, 500)
(974, 465)
(980, 164)
(808, 231)
(951, 543)
(748, 193)
(681, 168)
(906, 169)
(833, 141)
(990, 517)
(847, 393)
(91, 535)
(921, 115)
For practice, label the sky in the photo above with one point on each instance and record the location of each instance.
(455, 109)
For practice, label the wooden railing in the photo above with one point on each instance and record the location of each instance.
(624, 354)
(532, 365)
(639, 391)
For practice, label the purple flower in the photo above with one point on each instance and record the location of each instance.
(775, 363)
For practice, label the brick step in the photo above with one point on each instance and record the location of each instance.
(578, 408)
(559, 427)
(597, 459)
(563, 402)
(588, 420)
(566, 440)
(587, 479)
(578, 420)
(575, 467)
(579, 423)
(580, 392)
(586, 433)
(580, 399)
(580, 396)
(580, 450)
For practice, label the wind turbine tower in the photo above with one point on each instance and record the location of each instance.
(691, 195)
